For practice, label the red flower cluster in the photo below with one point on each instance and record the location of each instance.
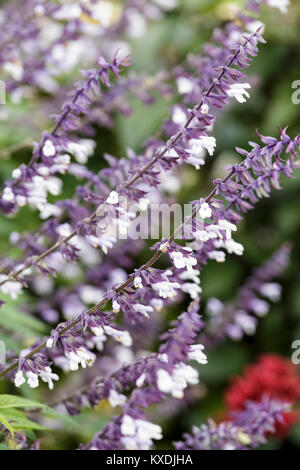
(272, 376)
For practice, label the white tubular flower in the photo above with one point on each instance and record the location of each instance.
(98, 331)
(61, 163)
(143, 309)
(82, 149)
(254, 25)
(141, 380)
(214, 306)
(15, 69)
(205, 211)
(122, 336)
(49, 149)
(94, 241)
(227, 226)
(196, 161)
(8, 195)
(187, 373)
(147, 431)
(87, 359)
(214, 231)
(11, 288)
(271, 290)
(259, 307)
(246, 322)
(238, 91)
(90, 294)
(49, 343)
(183, 375)
(20, 200)
(43, 171)
(181, 261)
(68, 12)
(163, 247)
(48, 377)
(166, 289)
(196, 353)
(116, 399)
(176, 383)
(106, 243)
(282, 5)
(163, 358)
(178, 116)
(208, 143)
(197, 153)
(128, 427)
(184, 85)
(37, 194)
(64, 230)
(165, 382)
(74, 360)
(138, 434)
(47, 210)
(158, 304)
(16, 173)
(80, 356)
(192, 275)
(19, 378)
(33, 379)
(201, 235)
(233, 247)
(167, 4)
(136, 23)
(138, 282)
(204, 109)
(194, 290)
(116, 306)
(219, 256)
(113, 198)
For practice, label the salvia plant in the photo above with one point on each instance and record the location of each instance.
(111, 315)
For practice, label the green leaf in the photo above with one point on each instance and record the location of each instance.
(18, 421)
(22, 423)
(67, 419)
(6, 424)
(3, 446)
(12, 319)
(11, 401)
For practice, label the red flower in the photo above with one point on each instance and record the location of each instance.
(272, 376)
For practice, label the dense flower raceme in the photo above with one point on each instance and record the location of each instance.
(217, 235)
(115, 99)
(81, 151)
(31, 183)
(225, 321)
(114, 387)
(82, 148)
(63, 37)
(34, 245)
(41, 39)
(239, 317)
(148, 289)
(156, 376)
(254, 157)
(246, 429)
(183, 146)
(271, 376)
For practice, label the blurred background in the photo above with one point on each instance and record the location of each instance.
(181, 31)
